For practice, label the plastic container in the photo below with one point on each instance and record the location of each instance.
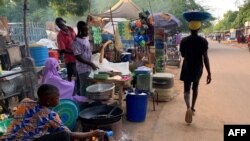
(54, 54)
(163, 80)
(109, 135)
(68, 111)
(39, 54)
(126, 56)
(136, 105)
(160, 64)
(4, 125)
(142, 70)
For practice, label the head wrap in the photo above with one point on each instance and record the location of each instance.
(194, 25)
(52, 77)
(50, 69)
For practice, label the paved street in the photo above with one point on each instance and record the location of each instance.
(225, 101)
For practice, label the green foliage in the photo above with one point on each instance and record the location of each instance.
(73, 10)
(37, 12)
(227, 22)
(243, 15)
(98, 6)
(11, 10)
(234, 19)
(41, 15)
(70, 7)
(174, 7)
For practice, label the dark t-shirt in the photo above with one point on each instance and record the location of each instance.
(192, 48)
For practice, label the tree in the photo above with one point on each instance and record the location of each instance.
(72, 7)
(13, 10)
(243, 15)
(98, 6)
(174, 7)
(234, 19)
(227, 22)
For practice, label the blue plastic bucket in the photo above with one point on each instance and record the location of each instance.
(125, 57)
(39, 54)
(136, 105)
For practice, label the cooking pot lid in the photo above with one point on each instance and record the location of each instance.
(163, 75)
(68, 112)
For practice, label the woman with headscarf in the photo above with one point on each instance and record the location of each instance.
(66, 88)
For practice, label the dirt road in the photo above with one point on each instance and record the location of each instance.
(225, 101)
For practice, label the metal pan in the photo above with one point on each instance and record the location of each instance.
(101, 114)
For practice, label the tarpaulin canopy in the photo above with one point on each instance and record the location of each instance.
(165, 20)
(123, 9)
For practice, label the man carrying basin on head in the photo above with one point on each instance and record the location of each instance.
(193, 49)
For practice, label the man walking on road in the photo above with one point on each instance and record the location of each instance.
(193, 49)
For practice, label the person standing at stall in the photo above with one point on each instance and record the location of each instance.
(83, 52)
(193, 49)
(65, 38)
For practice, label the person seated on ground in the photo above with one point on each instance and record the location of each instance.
(66, 88)
(34, 120)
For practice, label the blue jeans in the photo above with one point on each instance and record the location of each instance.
(83, 83)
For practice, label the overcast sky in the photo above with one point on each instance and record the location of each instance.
(219, 7)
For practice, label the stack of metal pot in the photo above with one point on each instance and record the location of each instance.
(163, 84)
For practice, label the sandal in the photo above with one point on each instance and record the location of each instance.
(193, 110)
(188, 117)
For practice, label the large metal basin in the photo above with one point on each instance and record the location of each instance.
(100, 91)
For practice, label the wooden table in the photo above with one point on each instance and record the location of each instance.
(120, 83)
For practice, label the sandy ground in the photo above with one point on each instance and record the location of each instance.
(224, 101)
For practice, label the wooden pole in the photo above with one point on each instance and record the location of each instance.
(113, 31)
(112, 20)
(25, 28)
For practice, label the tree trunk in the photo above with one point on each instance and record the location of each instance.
(25, 28)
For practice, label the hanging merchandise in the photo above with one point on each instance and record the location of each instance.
(160, 64)
(124, 29)
(138, 24)
(160, 49)
(127, 31)
(159, 33)
(118, 43)
(133, 25)
(96, 34)
(121, 28)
